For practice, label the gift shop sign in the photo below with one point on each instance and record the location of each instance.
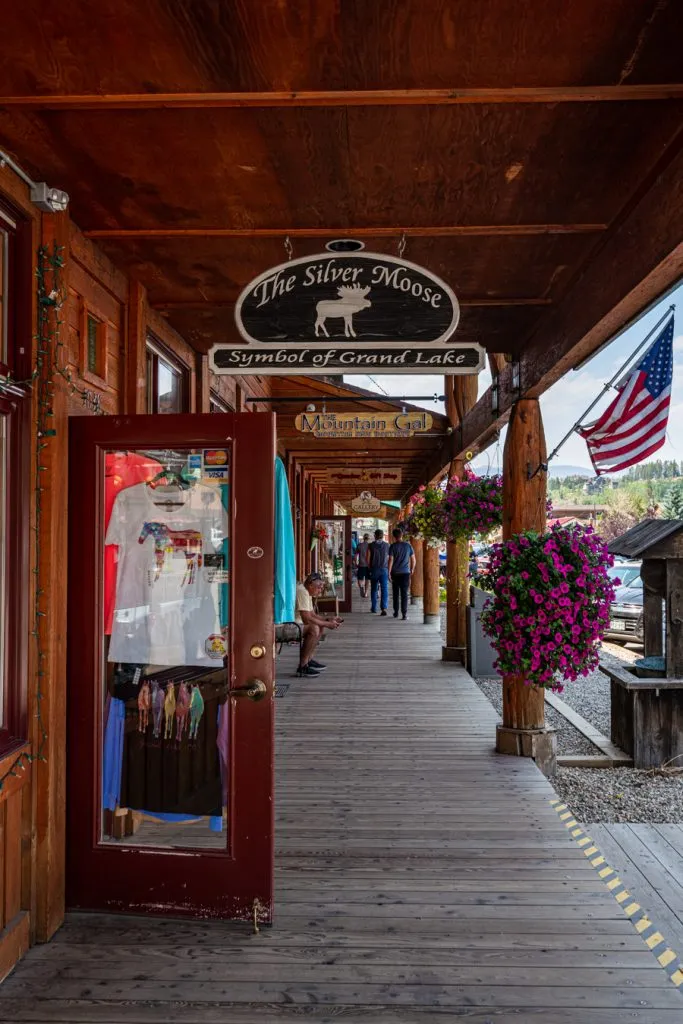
(360, 425)
(331, 312)
(365, 504)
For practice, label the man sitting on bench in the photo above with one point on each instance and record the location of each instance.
(312, 624)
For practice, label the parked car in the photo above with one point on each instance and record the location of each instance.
(625, 572)
(626, 613)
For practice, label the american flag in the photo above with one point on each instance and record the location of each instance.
(634, 425)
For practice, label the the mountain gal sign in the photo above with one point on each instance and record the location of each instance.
(348, 313)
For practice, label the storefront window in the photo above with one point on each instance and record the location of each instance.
(167, 384)
(217, 404)
(166, 647)
(330, 547)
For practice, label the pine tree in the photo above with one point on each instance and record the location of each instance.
(672, 503)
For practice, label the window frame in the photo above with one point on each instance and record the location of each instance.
(15, 409)
(218, 404)
(100, 376)
(155, 352)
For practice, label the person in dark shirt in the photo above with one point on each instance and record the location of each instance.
(362, 565)
(378, 557)
(401, 568)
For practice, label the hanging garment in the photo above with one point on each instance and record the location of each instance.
(285, 555)
(168, 583)
(122, 470)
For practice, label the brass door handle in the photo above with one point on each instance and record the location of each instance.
(254, 690)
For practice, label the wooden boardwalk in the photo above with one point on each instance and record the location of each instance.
(420, 879)
(649, 859)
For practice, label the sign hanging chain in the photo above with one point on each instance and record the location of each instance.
(402, 245)
(289, 248)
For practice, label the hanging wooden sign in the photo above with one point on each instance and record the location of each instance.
(363, 425)
(347, 313)
(359, 295)
(366, 504)
(373, 475)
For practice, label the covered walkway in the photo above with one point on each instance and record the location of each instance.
(419, 878)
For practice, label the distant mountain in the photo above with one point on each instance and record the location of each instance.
(482, 467)
(557, 469)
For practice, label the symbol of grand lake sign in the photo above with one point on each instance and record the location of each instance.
(347, 313)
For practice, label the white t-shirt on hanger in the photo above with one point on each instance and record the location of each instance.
(171, 566)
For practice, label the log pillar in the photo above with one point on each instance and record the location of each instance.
(417, 579)
(523, 731)
(430, 575)
(461, 396)
(457, 591)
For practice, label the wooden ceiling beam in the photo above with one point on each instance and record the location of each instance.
(412, 231)
(639, 261)
(347, 98)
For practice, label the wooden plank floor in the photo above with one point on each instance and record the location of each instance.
(420, 878)
(649, 860)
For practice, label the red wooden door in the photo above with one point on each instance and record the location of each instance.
(332, 549)
(170, 670)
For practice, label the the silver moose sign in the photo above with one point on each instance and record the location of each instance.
(354, 312)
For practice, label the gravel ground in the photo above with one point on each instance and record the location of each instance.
(608, 795)
(590, 696)
(569, 739)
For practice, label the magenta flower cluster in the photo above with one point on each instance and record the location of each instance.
(423, 514)
(473, 505)
(551, 604)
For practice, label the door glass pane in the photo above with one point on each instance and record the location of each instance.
(169, 388)
(3, 563)
(166, 648)
(330, 549)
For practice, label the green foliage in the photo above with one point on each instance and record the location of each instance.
(672, 504)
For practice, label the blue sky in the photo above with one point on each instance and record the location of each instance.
(564, 403)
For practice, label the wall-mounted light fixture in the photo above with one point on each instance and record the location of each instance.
(495, 393)
(47, 199)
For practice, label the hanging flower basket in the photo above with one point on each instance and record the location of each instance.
(472, 506)
(551, 604)
(423, 516)
(318, 533)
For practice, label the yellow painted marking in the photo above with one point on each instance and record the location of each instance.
(677, 977)
(561, 807)
(613, 883)
(666, 957)
(642, 925)
(598, 860)
(655, 939)
(565, 815)
(582, 842)
(590, 851)
(621, 896)
(604, 872)
(631, 909)
(577, 832)
(570, 824)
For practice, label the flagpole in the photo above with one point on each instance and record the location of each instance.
(610, 383)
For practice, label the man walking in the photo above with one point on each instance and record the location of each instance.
(378, 553)
(401, 568)
(362, 565)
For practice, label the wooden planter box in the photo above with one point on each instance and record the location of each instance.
(647, 717)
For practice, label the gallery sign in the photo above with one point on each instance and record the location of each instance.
(346, 313)
(362, 425)
(374, 475)
(366, 504)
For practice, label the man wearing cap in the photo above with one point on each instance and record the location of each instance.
(312, 624)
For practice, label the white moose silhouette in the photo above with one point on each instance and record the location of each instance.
(352, 300)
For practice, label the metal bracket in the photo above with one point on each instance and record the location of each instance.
(256, 907)
(542, 467)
